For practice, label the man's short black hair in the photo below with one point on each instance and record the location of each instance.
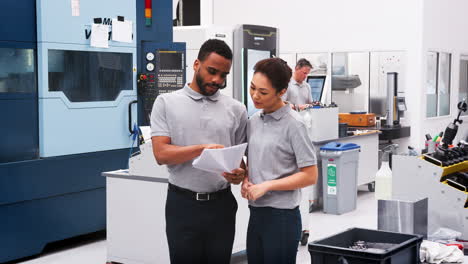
(214, 45)
(303, 63)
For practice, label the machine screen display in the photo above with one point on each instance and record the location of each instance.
(316, 86)
(253, 56)
(169, 61)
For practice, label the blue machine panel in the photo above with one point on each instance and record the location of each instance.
(167, 76)
(41, 178)
(84, 91)
(56, 22)
(29, 226)
(160, 29)
(67, 127)
(19, 120)
(21, 17)
(52, 199)
(164, 71)
(61, 194)
(18, 89)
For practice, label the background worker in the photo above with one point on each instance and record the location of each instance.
(299, 93)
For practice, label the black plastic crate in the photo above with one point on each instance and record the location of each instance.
(336, 249)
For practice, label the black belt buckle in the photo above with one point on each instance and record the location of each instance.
(202, 197)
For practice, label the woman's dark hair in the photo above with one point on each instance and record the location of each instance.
(214, 45)
(276, 70)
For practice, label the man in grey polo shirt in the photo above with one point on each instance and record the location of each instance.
(299, 92)
(200, 208)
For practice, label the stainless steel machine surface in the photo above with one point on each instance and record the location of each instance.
(408, 217)
(415, 178)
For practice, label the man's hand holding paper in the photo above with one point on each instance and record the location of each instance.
(224, 161)
(236, 176)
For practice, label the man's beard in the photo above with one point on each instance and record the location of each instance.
(203, 86)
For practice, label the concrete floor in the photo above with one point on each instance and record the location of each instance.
(93, 250)
(323, 225)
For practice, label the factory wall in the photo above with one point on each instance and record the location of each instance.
(445, 31)
(308, 26)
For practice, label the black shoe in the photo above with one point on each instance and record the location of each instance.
(304, 238)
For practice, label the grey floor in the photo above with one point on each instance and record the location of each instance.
(321, 225)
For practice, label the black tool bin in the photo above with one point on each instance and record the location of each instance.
(336, 249)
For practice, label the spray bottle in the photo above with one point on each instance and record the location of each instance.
(383, 178)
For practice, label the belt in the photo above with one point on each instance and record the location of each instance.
(200, 196)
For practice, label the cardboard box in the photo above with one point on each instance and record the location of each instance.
(362, 120)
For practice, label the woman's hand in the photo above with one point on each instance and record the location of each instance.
(255, 191)
(245, 186)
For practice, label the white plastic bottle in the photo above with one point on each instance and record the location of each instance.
(383, 180)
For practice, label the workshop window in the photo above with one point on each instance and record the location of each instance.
(17, 70)
(438, 84)
(463, 86)
(350, 80)
(85, 76)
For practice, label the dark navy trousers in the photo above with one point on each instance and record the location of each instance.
(273, 235)
(200, 231)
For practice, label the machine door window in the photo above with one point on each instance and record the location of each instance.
(438, 84)
(85, 76)
(463, 90)
(17, 71)
(253, 56)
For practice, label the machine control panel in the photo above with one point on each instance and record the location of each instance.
(163, 72)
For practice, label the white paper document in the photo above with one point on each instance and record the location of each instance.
(99, 36)
(122, 30)
(220, 160)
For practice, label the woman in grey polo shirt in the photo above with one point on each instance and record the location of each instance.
(281, 161)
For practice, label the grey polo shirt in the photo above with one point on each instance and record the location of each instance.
(278, 147)
(190, 118)
(298, 93)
